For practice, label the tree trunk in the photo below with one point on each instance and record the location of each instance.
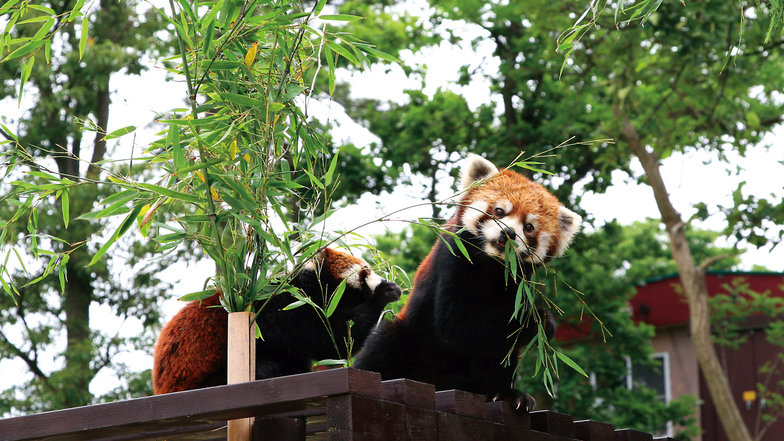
(695, 289)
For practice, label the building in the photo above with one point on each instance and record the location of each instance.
(659, 302)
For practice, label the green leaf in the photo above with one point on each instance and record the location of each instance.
(336, 296)
(330, 362)
(332, 166)
(129, 220)
(163, 191)
(62, 272)
(241, 100)
(76, 10)
(342, 51)
(341, 17)
(24, 50)
(83, 38)
(99, 254)
(45, 28)
(379, 54)
(569, 362)
(199, 295)
(295, 304)
(65, 203)
(120, 132)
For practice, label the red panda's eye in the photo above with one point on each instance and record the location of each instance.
(529, 228)
(499, 212)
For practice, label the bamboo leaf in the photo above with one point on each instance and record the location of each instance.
(83, 38)
(332, 166)
(569, 362)
(120, 132)
(341, 17)
(250, 56)
(129, 220)
(99, 254)
(66, 205)
(199, 295)
(76, 11)
(379, 54)
(163, 191)
(241, 100)
(336, 296)
(24, 50)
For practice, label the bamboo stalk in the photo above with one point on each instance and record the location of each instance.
(241, 366)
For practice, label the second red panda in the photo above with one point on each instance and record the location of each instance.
(455, 329)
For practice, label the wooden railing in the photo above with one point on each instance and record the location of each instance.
(337, 404)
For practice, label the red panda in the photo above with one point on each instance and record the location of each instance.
(191, 351)
(456, 330)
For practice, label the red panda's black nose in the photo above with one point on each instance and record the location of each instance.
(510, 233)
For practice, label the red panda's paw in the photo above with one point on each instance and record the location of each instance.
(386, 292)
(516, 399)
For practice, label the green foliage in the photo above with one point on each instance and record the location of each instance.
(240, 173)
(591, 286)
(63, 66)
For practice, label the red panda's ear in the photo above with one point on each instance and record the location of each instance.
(476, 168)
(569, 222)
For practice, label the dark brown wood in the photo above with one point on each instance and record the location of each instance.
(183, 409)
(632, 435)
(587, 430)
(409, 392)
(421, 424)
(501, 412)
(461, 403)
(553, 423)
(279, 429)
(455, 427)
(366, 416)
(202, 432)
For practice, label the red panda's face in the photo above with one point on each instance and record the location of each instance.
(507, 206)
(340, 265)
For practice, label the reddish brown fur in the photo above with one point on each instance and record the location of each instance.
(180, 348)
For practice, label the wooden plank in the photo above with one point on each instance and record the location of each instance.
(421, 424)
(553, 423)
(501, 412)
(201, 432)
(241, 366)
(461, 403)
(632, 435)
(376, 419)
(279, 429)
(409, 392)
(587, 430)
(190, 408)
(454, 427)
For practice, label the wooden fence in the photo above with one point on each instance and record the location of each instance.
(337, 404)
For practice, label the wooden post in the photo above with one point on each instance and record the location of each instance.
(241, 366)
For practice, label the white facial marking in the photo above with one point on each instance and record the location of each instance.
(492, 230)
(504, 205)
(352, 276)
(373, 280)
(569, 222)
(539, 255)
(472, 214)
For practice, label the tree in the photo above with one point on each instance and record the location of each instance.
(67, 89)
(224, 177)
(677, 78)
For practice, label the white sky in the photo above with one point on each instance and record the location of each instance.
(690, 178)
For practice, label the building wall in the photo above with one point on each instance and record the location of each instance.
(684, 371)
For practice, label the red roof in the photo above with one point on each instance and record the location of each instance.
(659, 302)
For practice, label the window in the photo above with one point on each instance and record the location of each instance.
(656, 377)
